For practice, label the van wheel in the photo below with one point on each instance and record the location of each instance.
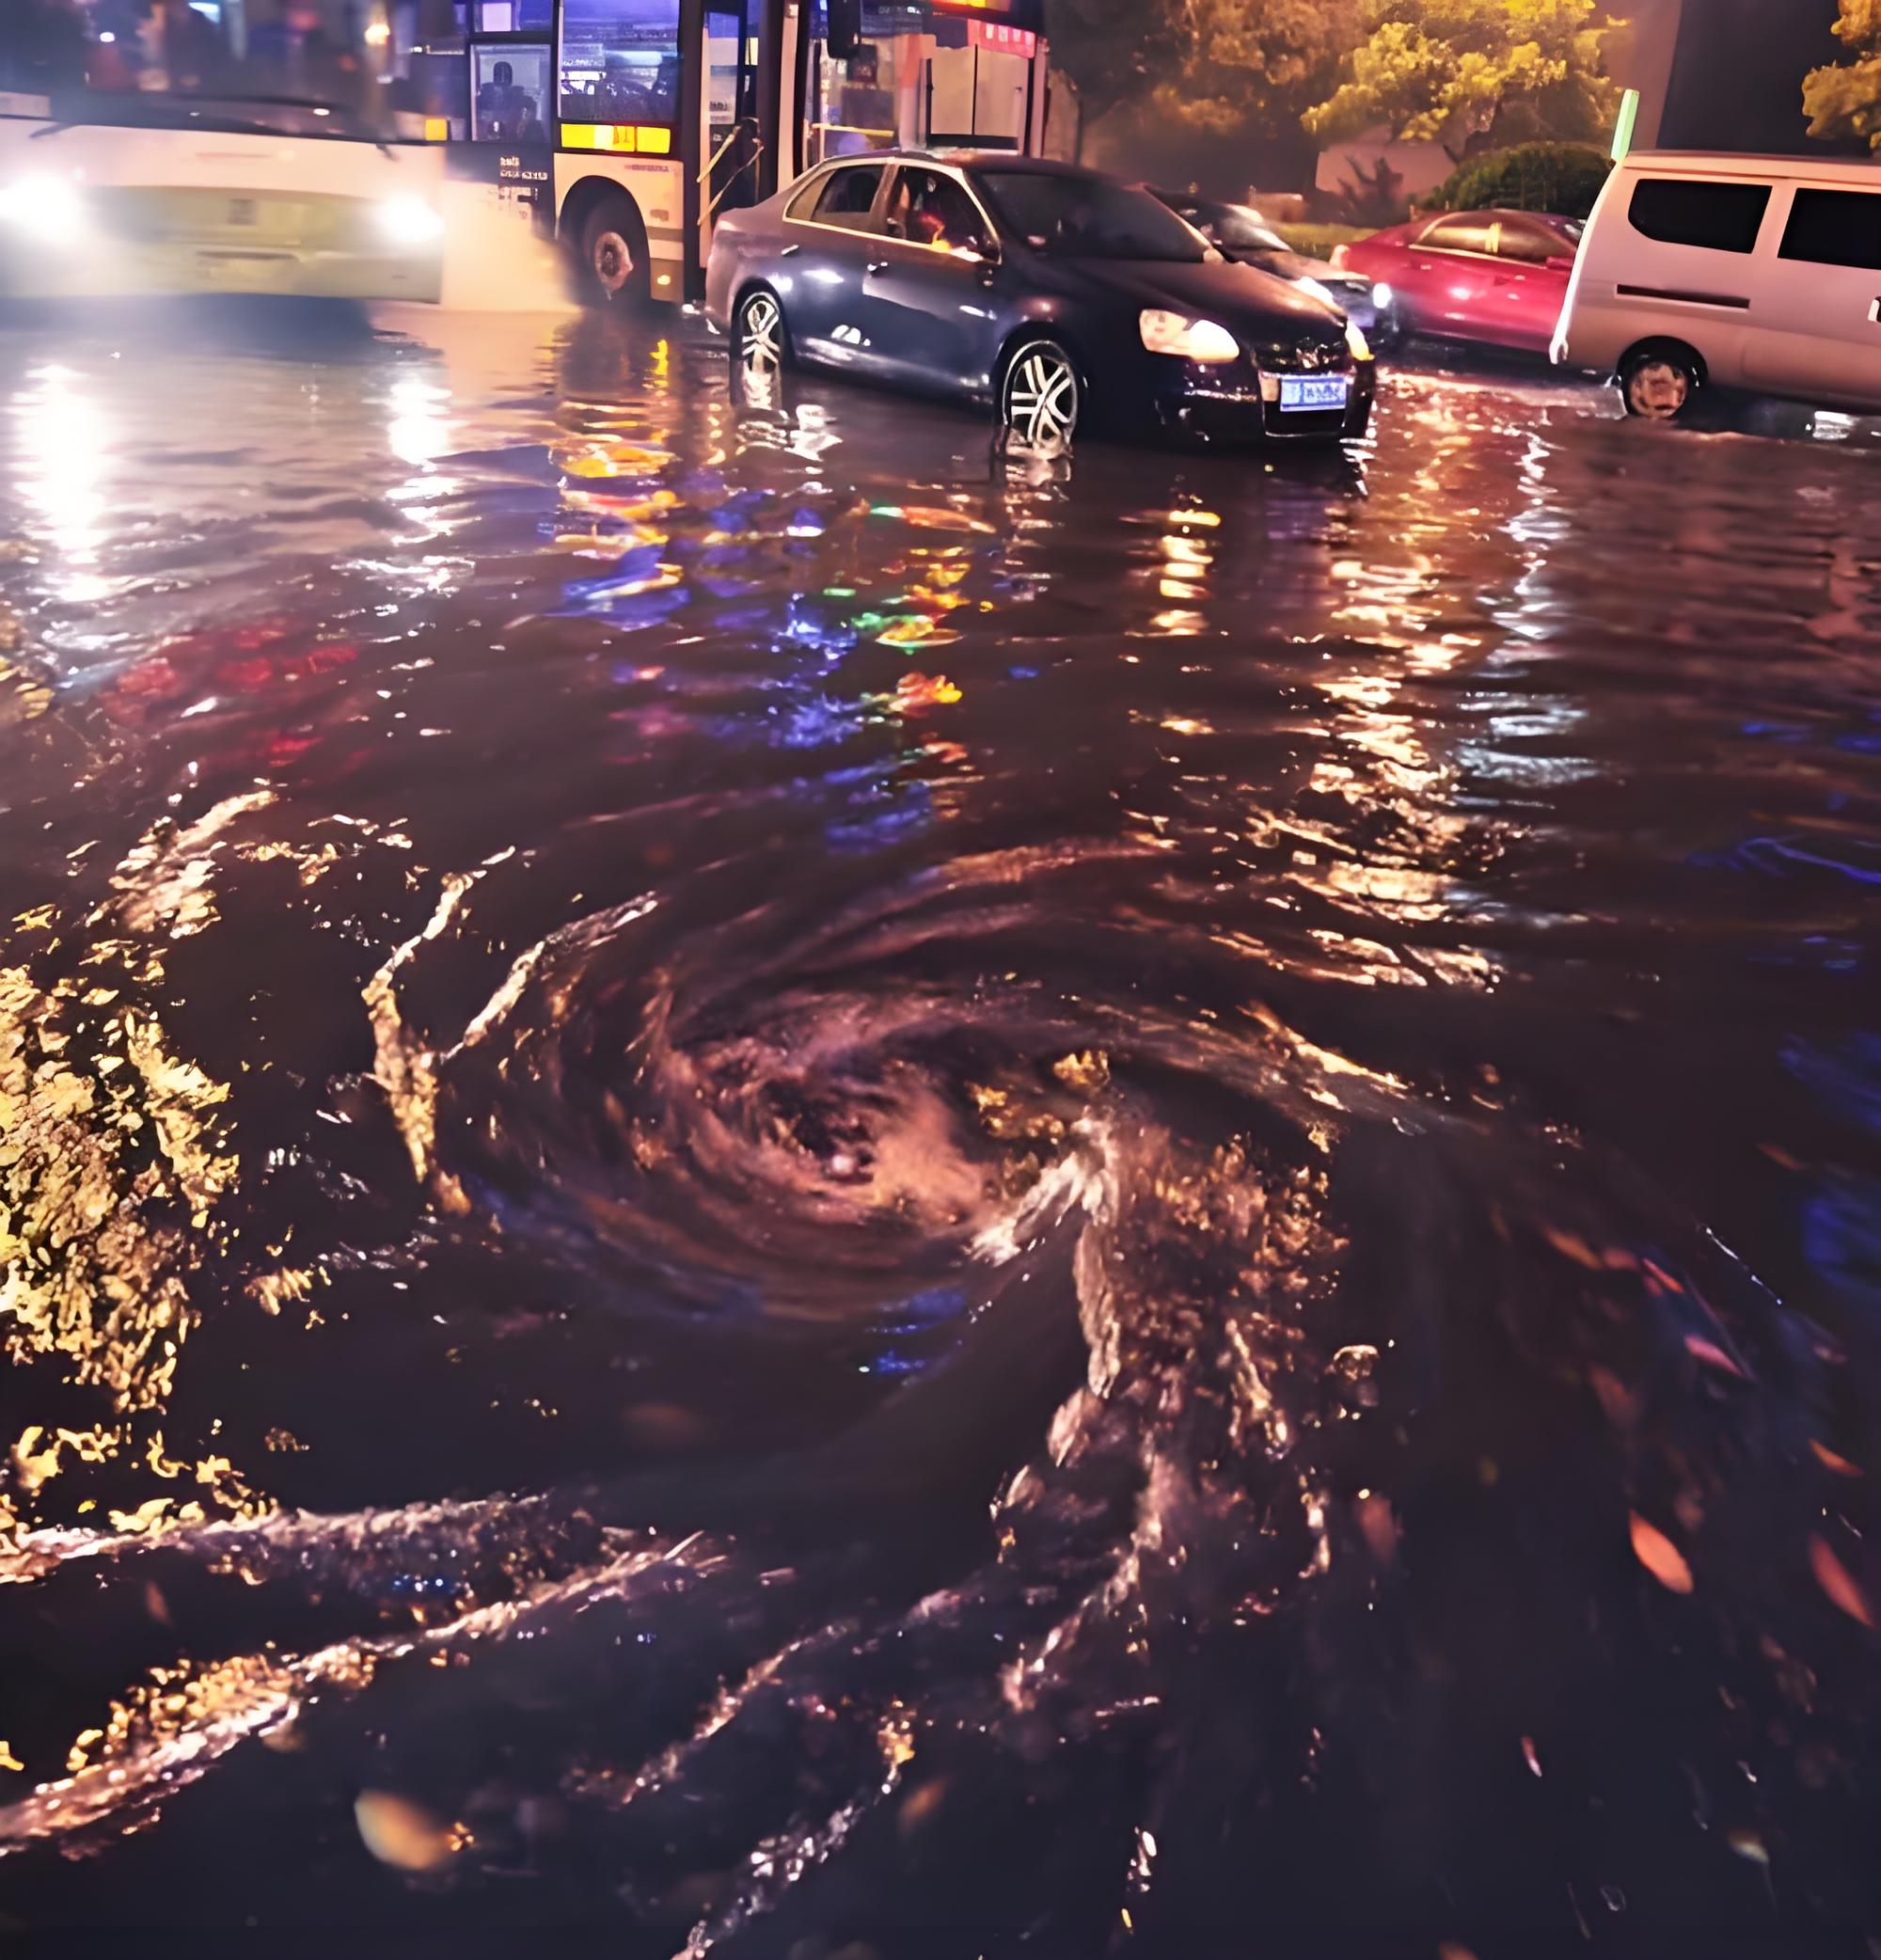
(615, 268)
(1660, 384)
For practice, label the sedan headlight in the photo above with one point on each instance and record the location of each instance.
(1188, 339)
(409, 221)
(1381, 297)
(48, 209)
(1356, 341)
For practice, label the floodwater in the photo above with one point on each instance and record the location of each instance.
(774, 1187)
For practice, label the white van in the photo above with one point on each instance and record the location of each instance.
(1758, 273)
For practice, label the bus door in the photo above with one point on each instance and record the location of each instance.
(512, 103)
(740, 163)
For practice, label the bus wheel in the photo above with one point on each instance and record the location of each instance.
(614, 264)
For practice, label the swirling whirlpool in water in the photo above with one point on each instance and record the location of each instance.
(1200, 1534)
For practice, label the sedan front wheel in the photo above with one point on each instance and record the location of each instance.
(1041, 397)
(759, 337)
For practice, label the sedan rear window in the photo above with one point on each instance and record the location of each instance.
(1085, 217)
(1691, 211)
(1835, 228)
(1531, 245)
(1461, 235)
(847, 197)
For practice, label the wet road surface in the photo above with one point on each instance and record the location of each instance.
(773, 1187)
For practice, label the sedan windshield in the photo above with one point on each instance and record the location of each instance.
(1237, 226)
(1084, 217)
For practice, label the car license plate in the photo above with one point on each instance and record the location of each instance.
(1301, 392)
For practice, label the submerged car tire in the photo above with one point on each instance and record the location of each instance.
(1041, 398)
(614, 265)
(759, 336)
(1660, 382)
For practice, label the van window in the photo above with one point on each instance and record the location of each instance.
(1692, 211)
(1835, 228)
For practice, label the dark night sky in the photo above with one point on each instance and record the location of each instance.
(1737, 77)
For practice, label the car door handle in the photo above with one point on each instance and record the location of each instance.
(1874, 313)
(876, 267)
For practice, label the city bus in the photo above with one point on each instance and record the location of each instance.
(629, 126)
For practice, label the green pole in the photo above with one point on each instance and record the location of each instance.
(1622, 128)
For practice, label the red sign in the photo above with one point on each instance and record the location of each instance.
(1003, 40)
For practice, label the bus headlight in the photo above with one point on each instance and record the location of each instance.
(1189, 340)
(47, 208)
(409, 221)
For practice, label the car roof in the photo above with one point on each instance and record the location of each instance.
(1702, 163)
(995, 159)
(1506, 211)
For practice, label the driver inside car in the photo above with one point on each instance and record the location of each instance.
(931, 211)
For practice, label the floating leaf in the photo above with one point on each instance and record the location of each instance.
(1701, 1348)
(1827, 1457)
(1837, 1581)
(1659, 1555)
(1573, 1247)
(403, 1834)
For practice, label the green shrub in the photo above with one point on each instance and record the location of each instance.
(1563, 178)
(1317, 241)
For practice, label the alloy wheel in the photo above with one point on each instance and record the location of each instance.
(761, 336)
(1042, 396)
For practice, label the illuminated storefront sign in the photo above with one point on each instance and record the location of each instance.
(1003, 40)
(1026, 14)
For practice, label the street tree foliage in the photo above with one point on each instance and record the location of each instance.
(1257, 63)
(1222, 65)
(1843, 99)
(1114, 51)
(1468, 73)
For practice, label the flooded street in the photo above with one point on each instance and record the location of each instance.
(773, 1187)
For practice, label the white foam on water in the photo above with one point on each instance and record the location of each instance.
(495, 261)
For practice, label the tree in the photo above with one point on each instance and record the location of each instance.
(1464, 73)
(1257, 64)
(1843, 99)
(1113, 52)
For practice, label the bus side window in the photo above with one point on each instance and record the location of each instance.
(620, 61)
(510, 84)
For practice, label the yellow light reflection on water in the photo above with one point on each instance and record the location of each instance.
(64, 465)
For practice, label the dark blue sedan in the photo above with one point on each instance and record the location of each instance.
(1055, 294)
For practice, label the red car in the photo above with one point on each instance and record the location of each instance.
(1493, 275)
